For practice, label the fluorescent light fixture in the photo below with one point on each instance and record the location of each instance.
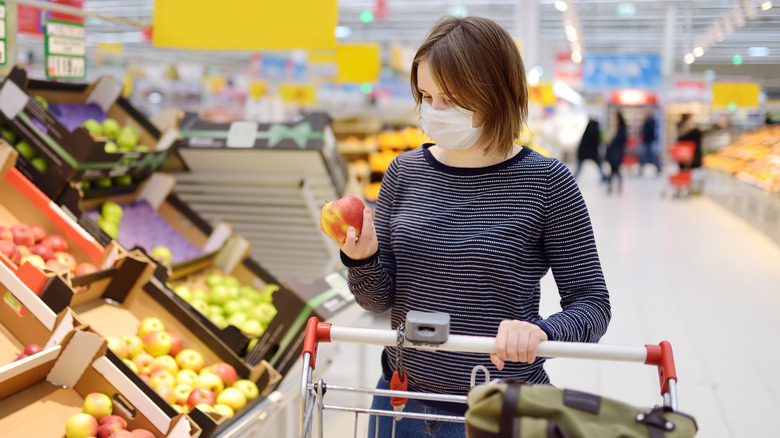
(343, 31)
(689, 58)
(576, 57)
(766, 6)
(561, 6)
(758, 51)
(698, 51)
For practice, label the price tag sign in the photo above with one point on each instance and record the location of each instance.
(66, 50)
(2, 34)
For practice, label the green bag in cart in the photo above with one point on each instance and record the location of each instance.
(513, 409)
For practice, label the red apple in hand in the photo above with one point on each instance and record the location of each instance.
(5, 234)
(38, 232)
(337, 216)
(42, 250)
(10, 250)
(22, 235)
(200, 395)
(56, 243)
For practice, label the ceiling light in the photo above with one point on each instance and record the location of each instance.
(626, 9)
(459, 11)
(561, 6)
(576, 57)
(766, 6)
(689, 58)
(698, 51)
(571, 33)
(343, 31)
(758, 51)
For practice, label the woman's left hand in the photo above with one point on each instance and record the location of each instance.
(516, 341)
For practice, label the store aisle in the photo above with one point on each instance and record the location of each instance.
(684, 270)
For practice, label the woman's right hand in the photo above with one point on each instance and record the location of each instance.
(363, 246)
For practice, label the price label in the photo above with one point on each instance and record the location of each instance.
(65, 50)
(66, 67)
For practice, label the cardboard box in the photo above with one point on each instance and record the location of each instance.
(282, 342)
(38, 394)
(305, 147)
(39, 325)
(72, 153)
(157, 217)
(23, 202)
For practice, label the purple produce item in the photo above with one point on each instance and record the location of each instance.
(39, 125)
(72, 115)
(142, 226)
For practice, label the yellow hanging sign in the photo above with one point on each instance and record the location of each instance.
(296, 93)
(245, 24)
(358, 62)
(741, 94)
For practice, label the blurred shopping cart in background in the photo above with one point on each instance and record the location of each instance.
(680, 183)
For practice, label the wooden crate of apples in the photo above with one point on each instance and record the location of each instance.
(225, 301)
(179, 375)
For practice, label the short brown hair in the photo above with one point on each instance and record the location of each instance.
(477, 65)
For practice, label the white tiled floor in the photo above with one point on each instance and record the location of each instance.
(683, 270)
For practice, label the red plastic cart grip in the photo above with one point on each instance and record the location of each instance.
(316, 332)
(661, 356)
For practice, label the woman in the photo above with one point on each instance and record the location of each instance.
(687, 130)
(469, 226)
(615, 152)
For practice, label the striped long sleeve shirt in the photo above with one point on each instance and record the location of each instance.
(475, 243)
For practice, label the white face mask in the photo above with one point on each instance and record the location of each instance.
(451, 128)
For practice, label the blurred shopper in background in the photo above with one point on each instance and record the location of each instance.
(616, 151)
(649, 153)
(589, 148)
(469, 226)
(688, 131)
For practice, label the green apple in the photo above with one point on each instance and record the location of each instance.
(221, 294)
(111, 228)
(237, 319)
(111, 209)
(245, 303)
(200, 295)
(231, 281)
(252, 343)
(200, 306)
(233, 398)
(124, 180)
(248, 388)
(103, 182)
(247, 292)
(232, 307)
(25, 150)
(110, 128)
(126, 141)
(214, 310)
(183, 292)
(40, 164)
(224, 410)
(219, 321)
(214, 279)
(110, 148)
(93, 126)
(8, 135)
(130, 132)
(162, 255)
(266, 295)
(85, 185)
(142, 148)
(263, 313)
(42, 101)
(252, 327)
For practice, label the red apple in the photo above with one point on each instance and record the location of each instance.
(38, 232)
(189, 359)
(337, 216)
(200, 395)
(117, 345)
(210, 381)
(42, 250)
(146, 379)
(98, 405)
(31, 349)
(182, 393)
(81, 425)
(122, 434)
(10, 250)
(84, 269)
(66, 259)
(22, 235)
(21, 356)
(108, 429)
(157, 343)
(56, 266)
(5, 234)
(56, 242)
(224, 371)
(144, 362)
(141, 433)
(161, 377)
(34, 260)
(113, 419)
(233, 398)
(175, 344)
(166, 392)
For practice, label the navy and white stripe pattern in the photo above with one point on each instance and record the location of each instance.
(475, 243)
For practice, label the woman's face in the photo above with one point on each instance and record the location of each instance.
(433, 96)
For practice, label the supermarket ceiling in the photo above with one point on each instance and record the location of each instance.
(606, 26)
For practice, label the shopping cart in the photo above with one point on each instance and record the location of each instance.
(682, 153)
(419, 337)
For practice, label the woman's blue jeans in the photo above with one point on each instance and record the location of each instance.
(411, 428)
